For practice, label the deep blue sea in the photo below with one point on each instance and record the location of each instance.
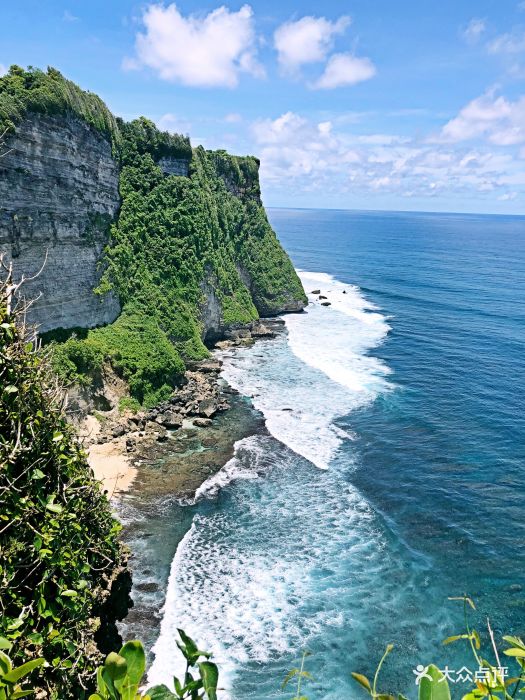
(393, 475)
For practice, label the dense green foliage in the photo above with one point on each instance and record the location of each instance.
(122, 674)
(11, 677)
(137, 349)
(33, 90)
(175, 240)
(58, 538)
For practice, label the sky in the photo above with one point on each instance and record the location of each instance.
(366, 104)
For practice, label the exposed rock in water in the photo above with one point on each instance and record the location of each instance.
(326, 303)
(170, 420)
(202, 422)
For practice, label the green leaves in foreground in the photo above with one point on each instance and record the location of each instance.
(10, 687)
(492, 680)
(122, 674)
(299, 674)
(433, 684)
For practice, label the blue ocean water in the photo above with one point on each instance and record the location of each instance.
(393, 474)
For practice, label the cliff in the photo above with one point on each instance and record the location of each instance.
(58, 196)
(133, 222)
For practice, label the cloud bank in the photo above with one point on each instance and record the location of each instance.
(199, 51)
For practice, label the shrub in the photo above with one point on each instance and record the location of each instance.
(128, 403)
(58, 538)
(121, 675)
(76, 361)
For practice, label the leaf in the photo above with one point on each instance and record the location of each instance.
(4, 643)
(515, 651)
(515, 641)
(133, 653)
(38, 474)
(5, 663)
(17, 673)
(362, 680)
(10, 389)
(477, 641)
(465, 599)
(160, 692)
(69, 593)
(210, 678)
(115, 665)
(433, 688)
(54, 507)
(291, 674)
(455, 638)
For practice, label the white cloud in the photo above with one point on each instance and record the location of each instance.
(69, 16)
(233, 118)
(3, 69)
(173, 124)
(311, 155)
(508, 196)
(201, 51)
(344, 69)
(307, 40)
(500, 121)
(474, 30)
(510, 43)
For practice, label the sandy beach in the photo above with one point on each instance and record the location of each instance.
(111, 466)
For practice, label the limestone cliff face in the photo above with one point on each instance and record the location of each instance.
(59, 193)
(58, 196)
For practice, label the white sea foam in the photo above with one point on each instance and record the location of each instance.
(233, 469)
(336, 339)
(223, 593)
(240, 573)
(331, 374)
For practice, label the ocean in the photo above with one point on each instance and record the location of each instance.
(392, 474)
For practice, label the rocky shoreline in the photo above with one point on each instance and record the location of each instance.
(131, 439)
(171, 464)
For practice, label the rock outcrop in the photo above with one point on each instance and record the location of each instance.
(58, 196)
(69, 169)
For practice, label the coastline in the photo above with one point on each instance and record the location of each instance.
(152, 473)
(125, 450)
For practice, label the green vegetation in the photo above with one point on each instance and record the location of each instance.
(128, 403)
(76, 360)
(10, 686)
(33, 90)
(58, 538)
(48, 92)
(175, 239)
(492, 679)
(122, 674)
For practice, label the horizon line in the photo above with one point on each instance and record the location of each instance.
(396, 211)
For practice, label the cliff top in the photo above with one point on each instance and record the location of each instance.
(49, 92)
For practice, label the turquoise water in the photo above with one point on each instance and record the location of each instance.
(393, 475)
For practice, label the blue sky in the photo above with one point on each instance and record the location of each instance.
(370, 105)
